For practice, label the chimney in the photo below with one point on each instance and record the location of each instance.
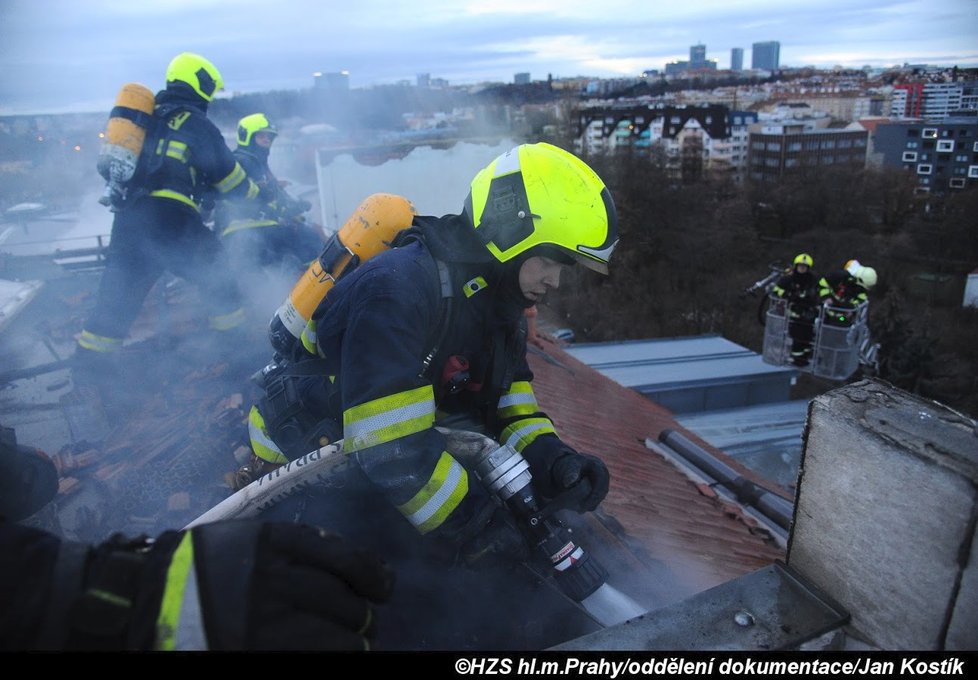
(887, 503)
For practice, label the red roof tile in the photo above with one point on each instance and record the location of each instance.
(692, 532)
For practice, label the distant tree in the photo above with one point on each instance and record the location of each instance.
(687, 251)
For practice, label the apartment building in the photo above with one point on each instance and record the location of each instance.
(942, 154)
(933, 100)
(690, 140)
(730, 154)
(779, 149)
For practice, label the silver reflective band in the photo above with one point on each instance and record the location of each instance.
(190, 635)
(382, 421)
(603, 254)
(525, 430)
(257, 435)
(434, 504)
(514, 398)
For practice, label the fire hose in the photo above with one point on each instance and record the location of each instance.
(505, 473)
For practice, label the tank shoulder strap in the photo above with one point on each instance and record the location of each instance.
(310, 365)
(508, 350)
(445, 315)
(151, 157)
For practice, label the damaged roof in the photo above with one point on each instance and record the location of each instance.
(662, 535)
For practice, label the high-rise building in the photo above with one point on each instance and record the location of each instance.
(424, 81)
(521, 79)
(766, 55)
(675, 68)
(907, 100)
(941, 99)
(737, 59)
(333, 83)
(697, 56)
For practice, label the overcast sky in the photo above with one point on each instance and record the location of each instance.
(73, 55)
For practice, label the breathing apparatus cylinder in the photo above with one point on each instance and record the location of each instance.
(369, 230)
(125, 134)
(505, 472)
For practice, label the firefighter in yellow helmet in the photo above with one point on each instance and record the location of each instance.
(432, 332)
(158, 225)
(799, 287)
(267, 234)
(843, 290)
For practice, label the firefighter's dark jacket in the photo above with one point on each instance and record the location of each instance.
(840, 288)
(798, 287)
(374, 331)
(186, 156)
(276, 204)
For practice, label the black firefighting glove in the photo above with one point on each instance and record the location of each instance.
(279, 586)
(558, 470)
(300, 206)
(234, 585)
(267, 193)
(289, 209)
(499, 539)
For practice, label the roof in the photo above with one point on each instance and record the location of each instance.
(692, 538)
(871, 123)
(706, 372)
(766, 438)
(662, 535)
(14, 296)
(667, 361)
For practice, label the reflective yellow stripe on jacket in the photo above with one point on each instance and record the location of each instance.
(520, 403)
(401, 415)
(225, 322)
(388, 418)
(99, 343)
(261, 443)
(234, 178)
(521, 434)
(175, 196)
(180, 624)
(442, 493)
(309, 337)
(239, 225)
(177, 150)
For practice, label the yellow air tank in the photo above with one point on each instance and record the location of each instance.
(369, 230)
(125, 134)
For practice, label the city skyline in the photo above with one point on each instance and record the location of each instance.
(57, 56)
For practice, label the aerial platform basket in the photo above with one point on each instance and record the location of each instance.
(840, 344)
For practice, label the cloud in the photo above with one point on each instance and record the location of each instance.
(56, 54)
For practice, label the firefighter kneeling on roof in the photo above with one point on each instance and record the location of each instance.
(432, 332)
(269, 234)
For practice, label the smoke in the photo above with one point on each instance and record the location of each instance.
(94, 219)
(153, 450)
